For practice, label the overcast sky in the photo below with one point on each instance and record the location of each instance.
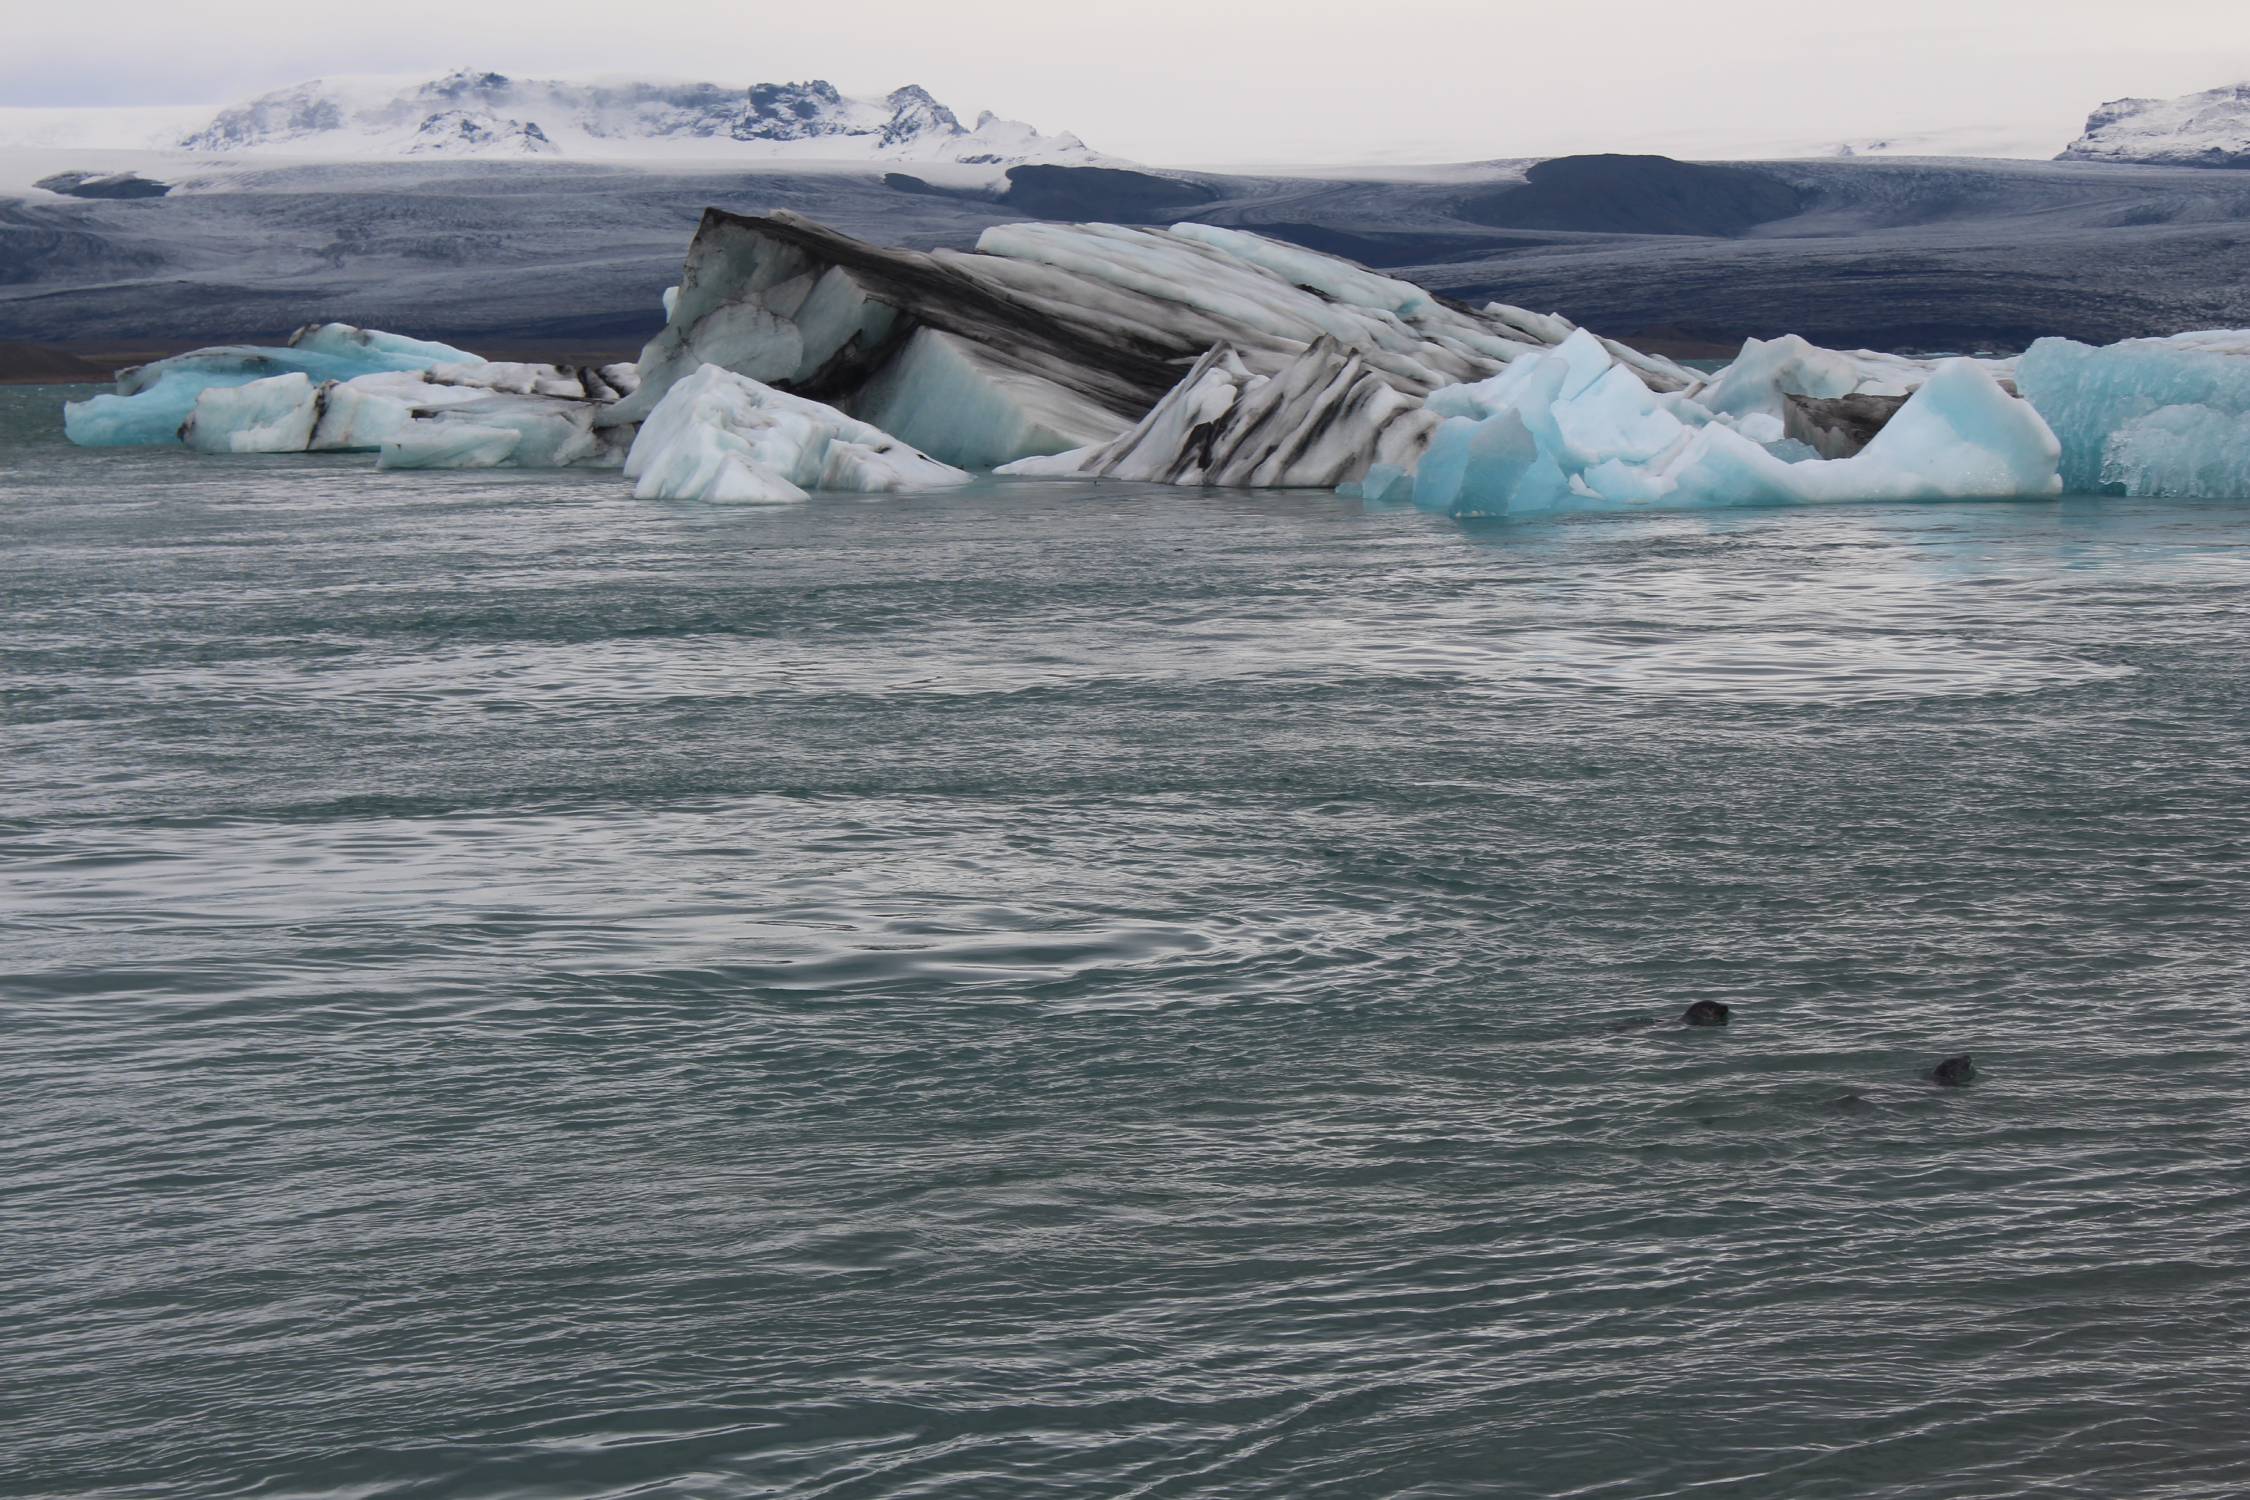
(1189, 81)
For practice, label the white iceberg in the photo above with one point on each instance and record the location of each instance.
(344, 389)
(717, 435)
(293, 413)
(2148, 417)
(153, 401)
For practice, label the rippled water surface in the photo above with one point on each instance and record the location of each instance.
(513, 991)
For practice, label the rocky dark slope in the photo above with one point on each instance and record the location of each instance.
(1914, 255)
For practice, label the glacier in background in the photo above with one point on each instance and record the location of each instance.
(475, 113)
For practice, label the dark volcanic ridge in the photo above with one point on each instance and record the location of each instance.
(1917, 256)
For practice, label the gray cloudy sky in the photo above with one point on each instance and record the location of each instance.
(1227, 80)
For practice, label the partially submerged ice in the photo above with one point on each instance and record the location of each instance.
(153, 401)
(2148, 417)
(1575, 431)
(717, 435)
(1052, 337)
(335, 388)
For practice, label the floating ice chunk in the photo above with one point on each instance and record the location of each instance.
(152, 401)
(337, 388)
(1564, 432)
(292, 414)
(721, 436)
(395, 414)
(2148, 417)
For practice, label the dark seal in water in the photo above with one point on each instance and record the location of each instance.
(1707, 1013)
(1955, 1071)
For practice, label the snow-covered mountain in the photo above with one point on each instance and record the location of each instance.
(469, 113)
(2211, 129)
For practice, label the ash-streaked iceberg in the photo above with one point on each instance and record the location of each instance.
(1321, 421)
(1053, 337)
(2148, 417)
(721, 436)
(1579, 428)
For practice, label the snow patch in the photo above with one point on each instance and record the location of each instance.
(486, 114)
(2210, 129)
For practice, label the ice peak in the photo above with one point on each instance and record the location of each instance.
(472, 111)
(2210, 129)
(464, 82)
(915, 114)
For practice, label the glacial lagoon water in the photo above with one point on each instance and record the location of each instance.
(511, 991)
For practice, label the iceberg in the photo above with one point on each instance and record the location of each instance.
(1575, 431)
(152, 401)
(717, 435)
(1050, 338)
(2148, 417)
(1580, 428)
(335, 388)
(295, 414)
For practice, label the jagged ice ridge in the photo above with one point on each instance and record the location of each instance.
(2210, 129)
(472, 113)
